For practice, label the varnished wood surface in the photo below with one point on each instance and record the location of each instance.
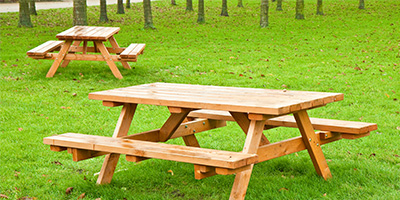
(88, 33)
(236, 99)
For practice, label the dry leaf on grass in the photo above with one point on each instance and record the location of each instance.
(69, 190)
(81, 196)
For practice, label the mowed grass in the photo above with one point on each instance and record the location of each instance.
(350, 51)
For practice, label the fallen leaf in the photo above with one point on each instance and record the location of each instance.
(387, 95)
(74, 94)
(372, 154)
(240, 74)
(398, 128)
(395, 155)
(170, 171)
(81, 196)
(357, 68)
(355, 169)
(4, 196)
(56, 163)
(20, 129)
(285, 86)
(283, 189)
(231, 73)
(324, 195)
(69, 190)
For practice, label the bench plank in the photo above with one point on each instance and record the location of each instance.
(195, 155)
(340, 126)
(44, 48)
(132, 51)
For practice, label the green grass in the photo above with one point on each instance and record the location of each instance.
(351, 51)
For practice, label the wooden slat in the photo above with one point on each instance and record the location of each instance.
(88, 33)
(258, 101)
(44, 48)
(132, 51)
(340, 126)
(210, 157)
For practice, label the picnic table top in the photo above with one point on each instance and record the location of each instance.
(88, 33)
(235, 99)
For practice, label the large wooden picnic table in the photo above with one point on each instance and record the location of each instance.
(253, 110)
(70, 49)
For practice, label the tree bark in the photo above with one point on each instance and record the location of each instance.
(362, 5)
(299, 9)
(103, 11)
(148, 18)
(200, 15)
(189, 5)
(279, 5)
(80, 13)
(24, 15)
(240, 4)
(128, 3)
(264, 13)
(224, 10)
(32, 7)
(319, 7)
(120, 9)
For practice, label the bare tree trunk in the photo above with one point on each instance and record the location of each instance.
(264, 13)
(32, 7)
(200, 16)
(299, 9)
(128, 3)
(120, 9)
(224, 10)
(173, 2)
(103, 11)
(24, 15)
(189, 5)
(80, 13)
(148, 18)
(362, 5)
(319, 7)
(240, 4)
(279, 5)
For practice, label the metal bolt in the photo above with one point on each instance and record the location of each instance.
(317, 144)
(309, 139)
(194, 131)
(185, 126)
(204, 123)
(326, 135)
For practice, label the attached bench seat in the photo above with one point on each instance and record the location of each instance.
(132, 51)
(348, 129)
(40, 51)
(195, 155)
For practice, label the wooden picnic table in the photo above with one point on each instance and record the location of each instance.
(70, 49)
(197, 108)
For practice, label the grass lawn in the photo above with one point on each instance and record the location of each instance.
(350, 51)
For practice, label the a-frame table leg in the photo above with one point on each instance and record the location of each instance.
(122, 128)
(60, 57)
(108, 59)
(251, 144)
(115, 45)
(312, 144)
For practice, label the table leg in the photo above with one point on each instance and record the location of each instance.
(172, 123)
(251, 144)
(108, 59)
(66, 62)
(244, 122)
(60, 57)
(122, 128)
(312, 144)
(115, 45)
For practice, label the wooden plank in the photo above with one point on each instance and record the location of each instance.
(90, 49)
(224, 171)
(349, 127)
(88, 33)
(132, 51)
(57, 148)
(44, 48)
(82, 154)
(244, 123)
(112, 104)
(201, 156)
(172, 123)
(312, 144)
(273, 102)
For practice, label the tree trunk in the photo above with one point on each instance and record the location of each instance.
(173, 2)
(319, 7)
(32, 7)
(224, 10)
(264, 13)
(148, 18)
(189, 5)
(279, 5)
(103, 11)
(361, 6)
(128, 3)
(120, 9)
(24, 16)
(299, 9)
(200, 15)
(240, 4)
(80, 13)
